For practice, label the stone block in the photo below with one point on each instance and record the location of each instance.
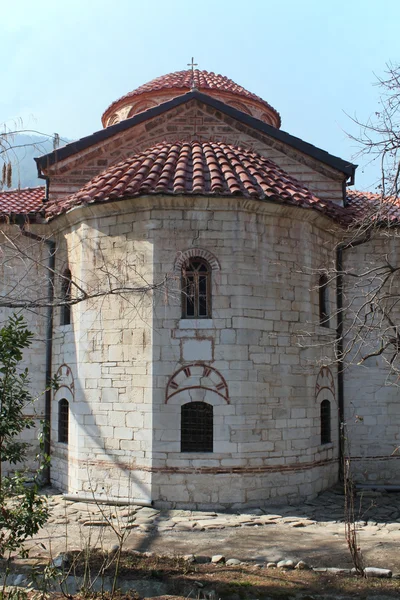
(228, 336)
(193, 350)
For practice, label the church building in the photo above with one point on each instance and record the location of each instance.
(183, 271)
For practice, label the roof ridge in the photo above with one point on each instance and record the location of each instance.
(26, 189)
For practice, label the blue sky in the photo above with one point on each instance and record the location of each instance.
(314, 60)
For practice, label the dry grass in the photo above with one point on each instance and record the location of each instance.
(240, 582)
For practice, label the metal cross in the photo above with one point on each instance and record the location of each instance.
(193, 65)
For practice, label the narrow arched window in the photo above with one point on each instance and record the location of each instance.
(63, 421)
(196, 289)
(197, 427)
(325, 422)
(323, 301)
(66, 298)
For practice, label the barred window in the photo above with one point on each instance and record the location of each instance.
(197, 427)
(196, 289)
(323, 301)
(63, 421)
(66, 298)
(325, 422)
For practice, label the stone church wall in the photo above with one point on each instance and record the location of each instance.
(372, 407)
(104, 358)
(121, 354)
(23, 276)
(266, 444)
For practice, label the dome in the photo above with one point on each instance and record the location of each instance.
(169, 86)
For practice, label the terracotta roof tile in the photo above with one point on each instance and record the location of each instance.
(21, 201)
(197, 168)
(201, 80)
(374, 206)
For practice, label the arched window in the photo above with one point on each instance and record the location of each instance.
(63, 421)
(197, 427)
(196, 289)
(66, 298)
(325, 422)
(323, 301)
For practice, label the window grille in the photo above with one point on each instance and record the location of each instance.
(323, 301)
(325, 422)
(197, 427)
(66, 297)
(196, 289)
(63, 421)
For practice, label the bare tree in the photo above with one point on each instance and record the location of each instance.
(379, 137)
(21, 258)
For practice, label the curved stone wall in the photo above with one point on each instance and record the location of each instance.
(136, 362)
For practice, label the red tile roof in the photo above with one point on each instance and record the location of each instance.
(201, 80)
(195, 168)
(21, 201)
(373, 206)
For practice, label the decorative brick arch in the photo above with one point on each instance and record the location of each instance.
(325, 382)
(241, 106)
(185, 255)
(66, 384)
(140, 107)
(197, 376)
(114, 120)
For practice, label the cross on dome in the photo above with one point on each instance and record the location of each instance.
(192, 65)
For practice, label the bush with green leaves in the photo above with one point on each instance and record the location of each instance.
(22, 510)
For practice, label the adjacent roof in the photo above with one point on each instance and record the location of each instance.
(208, 168)
(195, 168)
(60, 154)
(373, 206)
(21, 201)
(182, 81)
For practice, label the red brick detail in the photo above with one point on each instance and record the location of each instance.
(282, 468)
(221, 388)
(325, 376)
(186, 255)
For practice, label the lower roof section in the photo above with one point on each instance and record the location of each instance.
(197, 169)
(194, 168)
(22, 201)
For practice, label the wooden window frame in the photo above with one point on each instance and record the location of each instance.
(323, 289)
(325, 422)
(65, 317)
(63, 421)
(190, 270)
(197, 427)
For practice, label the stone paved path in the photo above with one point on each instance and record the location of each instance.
(312, 531)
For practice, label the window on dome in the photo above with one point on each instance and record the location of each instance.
(197, 427)
(325, 422)
(66, 298)
(196, 289)
(63, 421)
(323, 301)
